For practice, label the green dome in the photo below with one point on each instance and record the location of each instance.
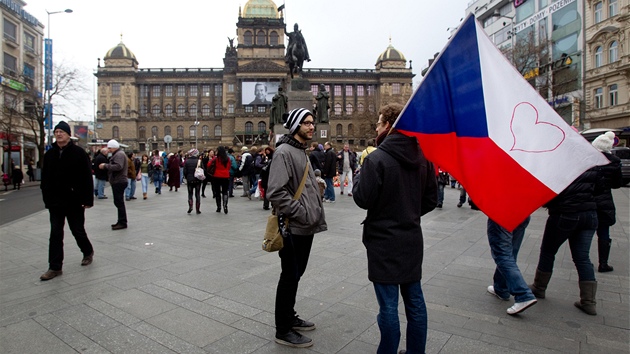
(260, 9)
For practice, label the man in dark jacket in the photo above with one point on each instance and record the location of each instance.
(117, 172)
(397, 186)
(572, 217)
(317, 157)
(100, 175)
(329, 172)
(67, 190)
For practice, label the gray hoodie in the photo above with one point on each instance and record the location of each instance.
(306, 215)
(117, 168)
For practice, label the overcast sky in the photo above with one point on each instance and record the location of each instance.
(193, 33)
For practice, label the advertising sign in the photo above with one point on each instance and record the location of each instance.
(48, 64)
(258, 93)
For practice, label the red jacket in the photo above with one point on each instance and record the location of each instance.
(221, 171)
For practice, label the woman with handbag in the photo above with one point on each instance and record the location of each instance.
(219, 168)
(192, 183)
(144, 173)
(207, 156)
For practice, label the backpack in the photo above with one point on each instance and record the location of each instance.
(157, 163)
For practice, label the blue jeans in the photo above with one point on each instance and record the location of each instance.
(579, 229)
(329, 193)
(145, 182)
(440, 194)
(462, 196)
(254, 184)
(388, 323)
(100, 187)
(504, 246)
(157, 180)
(130, 191)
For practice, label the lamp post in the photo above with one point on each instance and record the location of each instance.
(196, 135)
(48, 76)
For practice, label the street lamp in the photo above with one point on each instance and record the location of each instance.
(196, 125)
(48, 76)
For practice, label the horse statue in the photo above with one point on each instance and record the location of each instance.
(297, 51)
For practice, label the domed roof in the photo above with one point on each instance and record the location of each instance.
(391, 54)
(260, 8)
(120, 52)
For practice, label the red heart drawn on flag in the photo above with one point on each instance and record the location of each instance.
(531, 135)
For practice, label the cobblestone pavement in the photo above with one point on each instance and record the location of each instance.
(179, 283)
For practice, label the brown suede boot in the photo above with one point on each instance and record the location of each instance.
(198, 206)
(588, 290)
(144, 196)
(541, 279)
(190, 205)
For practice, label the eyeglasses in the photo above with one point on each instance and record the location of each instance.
(308, 123)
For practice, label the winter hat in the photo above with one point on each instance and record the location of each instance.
(295, 118)
(63, 126)
(604, 142)
(244, 149)
(318, 173)
(193, 152)
(113, 144)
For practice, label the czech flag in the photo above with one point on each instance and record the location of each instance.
(476, 117)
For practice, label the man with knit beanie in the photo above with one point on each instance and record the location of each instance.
(305, 215)
(611, 178)
(117, 171)
(67, 190)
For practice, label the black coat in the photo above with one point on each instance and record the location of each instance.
(610, 177)
(578, 196)
(330, 164)
(189, 169)
(98, 173)
(67, 177)
(317, 158)
(397, 185)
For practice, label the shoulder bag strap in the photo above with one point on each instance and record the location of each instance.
(298, 194)
(198, 162)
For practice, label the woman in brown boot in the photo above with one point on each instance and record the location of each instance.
(192, 183)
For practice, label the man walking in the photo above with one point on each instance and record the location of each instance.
(347, 165)
(329, 172)
(67, 190)
(397, 186)
(117, 172)
(306, 217)
(100, 175)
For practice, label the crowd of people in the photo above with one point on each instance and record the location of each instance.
(295, 179)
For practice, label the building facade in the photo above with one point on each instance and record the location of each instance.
(607, 79)
(544, 41)
(207, 107)
(20, 83)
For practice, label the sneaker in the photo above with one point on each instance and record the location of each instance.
(491, 291)
(302, 325)
(50, 274)
(349, 194)
(119, 227)
(103, 197)
(341, 192)
(294, 339)
(133, 198)
(519, 307)
(439, 206)
(459, 205)
(87, 260)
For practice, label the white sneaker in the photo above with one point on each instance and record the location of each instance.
(491, 291)
(519, 307)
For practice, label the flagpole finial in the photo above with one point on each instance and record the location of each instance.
(121, 37)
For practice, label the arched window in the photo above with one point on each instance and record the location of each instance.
(205, 110)
(181, 110)
(260, 38)
(612, 52)
(337, 109)
(339, 130)
(154, 131)
(218, 110)
(249, 127)
(180, 131)
(598, 57)
(360, 108)
(193, 110)
(205, 131)
(192, 131)
(103, 111)
(168, 110)
(115, 132)
(248, 37)
(142, 133)
(143, 110)
(350, 129)
(155, 110)
(128, 111)
(273, 38)
(262, 127)
(349, 109)
(217, 131)
(167, 130)
(116, 110)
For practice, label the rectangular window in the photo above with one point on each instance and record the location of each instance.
(218, 90)
(156, 91)
(542, 4)
(144, 91)
(502, 35)
(10, 31)
(231, 108)
(181, 90)
(599, 98)
(10, 64)
(249, 109)
(597, 13)
(612, 8)
(612, 95)
(115, 89)
(371, 90)
(396, 88)
(360, 90)
(168, 91)
(230, 87)
(337, 90)
(349, 90)
(205, 90)
(29, 42)
(314, 89)
(193, 90)
(261, 109)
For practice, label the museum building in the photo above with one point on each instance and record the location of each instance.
(207, 107)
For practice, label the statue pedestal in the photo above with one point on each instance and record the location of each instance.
(322, 133)
(300, 95)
